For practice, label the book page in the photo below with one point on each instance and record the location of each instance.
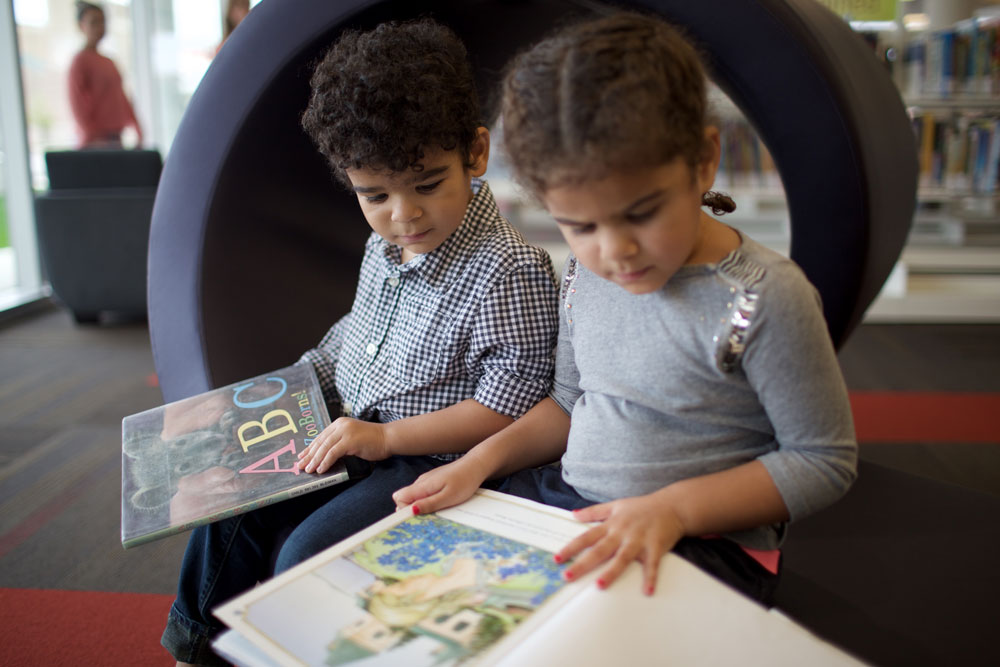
(439, 589)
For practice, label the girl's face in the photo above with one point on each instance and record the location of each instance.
(637, 227)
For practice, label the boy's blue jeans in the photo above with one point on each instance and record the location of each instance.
(227, 557)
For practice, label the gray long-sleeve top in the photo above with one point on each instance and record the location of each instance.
(727, 363)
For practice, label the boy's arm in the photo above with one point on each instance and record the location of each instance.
(512, 338)
(537, 438)
(450, 430)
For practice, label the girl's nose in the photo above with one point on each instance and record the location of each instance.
(617, 246)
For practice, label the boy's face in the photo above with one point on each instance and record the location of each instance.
(635, 227)
(418, 210)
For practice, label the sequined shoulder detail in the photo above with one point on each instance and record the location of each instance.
(743, 275)
(569, 278)
(743, 272)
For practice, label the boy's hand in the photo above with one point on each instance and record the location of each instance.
(442, 487)
(345, 436)
(639, 528)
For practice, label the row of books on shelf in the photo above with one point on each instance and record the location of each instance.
(958, 152)
(745, 160)
(963, 59)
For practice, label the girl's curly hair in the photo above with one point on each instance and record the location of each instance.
(380, 98)
(622, 91)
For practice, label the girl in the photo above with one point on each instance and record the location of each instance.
(698, 400)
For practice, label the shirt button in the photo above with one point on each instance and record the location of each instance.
(371, 349)
(393, 282)
(347, 408)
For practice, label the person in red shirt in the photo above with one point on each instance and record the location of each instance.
(99, 104)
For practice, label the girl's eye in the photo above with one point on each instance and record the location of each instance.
(429, 187)
(579, 230)
(375, 199)
(642, 216)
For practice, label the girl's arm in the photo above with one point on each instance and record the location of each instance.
(450, 430)
(644, 528)
(537, 438)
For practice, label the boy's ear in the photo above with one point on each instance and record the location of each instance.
(709, 165)
(479, 152)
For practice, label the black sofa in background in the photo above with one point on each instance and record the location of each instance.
(93, 229)
(254, 252)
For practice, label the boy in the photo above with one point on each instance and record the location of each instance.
(451, 333)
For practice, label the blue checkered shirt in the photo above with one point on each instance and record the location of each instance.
(474, 318)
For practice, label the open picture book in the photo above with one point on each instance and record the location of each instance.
(476, 584)
(221, 453)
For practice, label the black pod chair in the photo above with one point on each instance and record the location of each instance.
(254, 250)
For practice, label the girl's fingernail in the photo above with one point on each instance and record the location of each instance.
(416, 510)
(602, 584)
(568, 574)
(649, 590)
(557, 558)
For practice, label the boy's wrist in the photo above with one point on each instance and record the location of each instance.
(389, 437)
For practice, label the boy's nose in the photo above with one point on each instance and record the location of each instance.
(404, 211)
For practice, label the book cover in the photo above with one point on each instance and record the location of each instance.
(221, 453)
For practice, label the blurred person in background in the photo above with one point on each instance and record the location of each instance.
(236, 11)
(96, 96)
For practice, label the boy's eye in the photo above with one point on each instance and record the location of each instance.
(375, 199)
(429, 187)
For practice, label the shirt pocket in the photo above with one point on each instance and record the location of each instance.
(418, 340)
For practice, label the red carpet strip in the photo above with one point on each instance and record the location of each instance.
(926, 417)
(48, 628)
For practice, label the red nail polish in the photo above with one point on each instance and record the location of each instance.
(557, 558)
(602, 584)
(416, 510)
(568, 574)
(649, 590)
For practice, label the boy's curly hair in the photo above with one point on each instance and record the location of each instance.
(380, 98)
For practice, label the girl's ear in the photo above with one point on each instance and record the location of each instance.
(709, 165)
(479, 152)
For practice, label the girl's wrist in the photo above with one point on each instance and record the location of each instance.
(671, 500)
(478, 464)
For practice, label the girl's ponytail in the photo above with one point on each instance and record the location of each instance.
(719, 202)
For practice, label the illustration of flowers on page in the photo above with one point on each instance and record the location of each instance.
(431, 590)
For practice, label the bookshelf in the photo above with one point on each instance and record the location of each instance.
(949, 78)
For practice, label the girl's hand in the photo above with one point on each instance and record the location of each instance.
(345, 436)
(442, 487)
(640, 528)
